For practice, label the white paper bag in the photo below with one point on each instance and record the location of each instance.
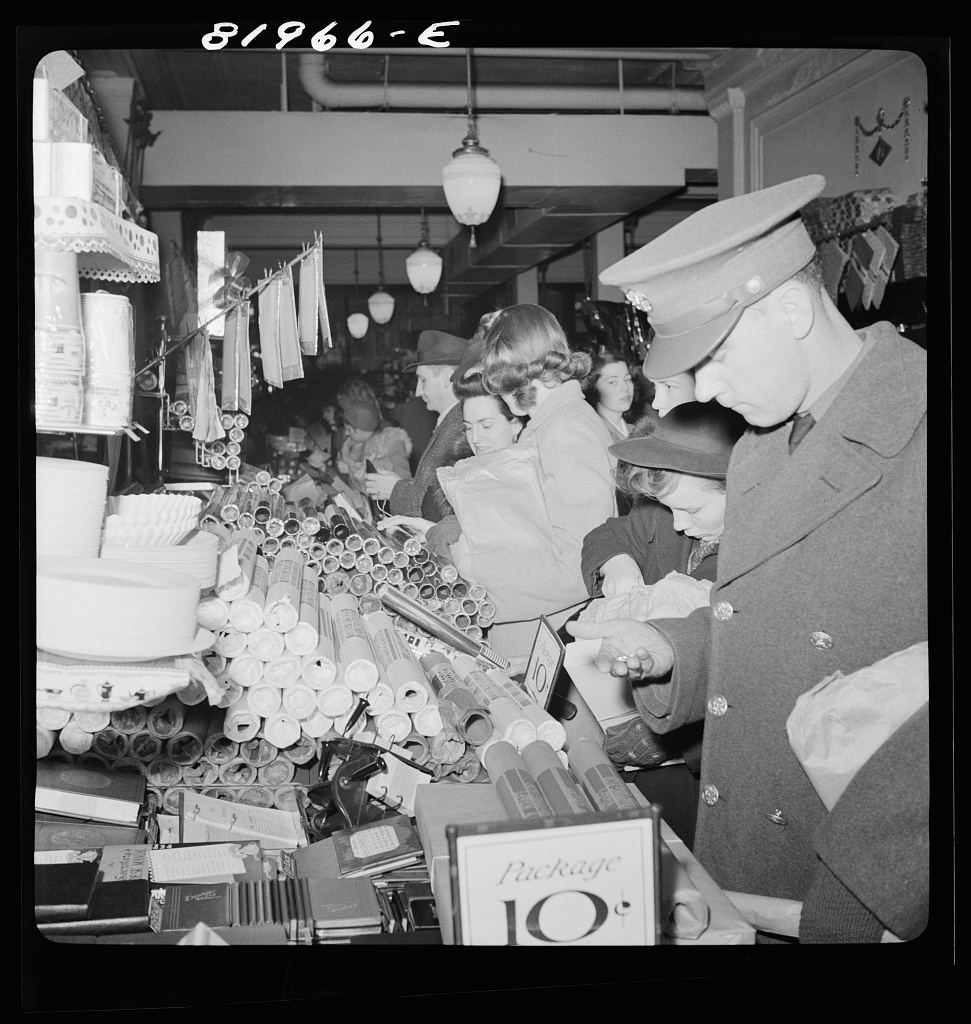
(836, 726)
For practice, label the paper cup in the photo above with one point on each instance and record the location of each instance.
(107, 399)
(107, 323)
(56, 291)
(56, 350)
(58, 398)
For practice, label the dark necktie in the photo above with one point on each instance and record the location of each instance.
(801, 426)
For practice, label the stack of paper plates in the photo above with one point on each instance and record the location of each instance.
(197, 556)
(70, 507)
(98, 608)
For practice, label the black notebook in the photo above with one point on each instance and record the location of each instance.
(63, 892)
(117, 908)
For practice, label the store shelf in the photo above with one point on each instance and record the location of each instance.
(108, 247)
(107, 431)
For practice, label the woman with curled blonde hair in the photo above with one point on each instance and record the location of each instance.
(526, 360)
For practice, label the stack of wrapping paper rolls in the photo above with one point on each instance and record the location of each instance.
(315, 629)
(344, 554)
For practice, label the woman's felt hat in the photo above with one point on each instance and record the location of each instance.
(695, 438)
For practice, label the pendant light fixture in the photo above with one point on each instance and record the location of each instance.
(357, 323)
(381, 303)
(472, 178)
(424, 265)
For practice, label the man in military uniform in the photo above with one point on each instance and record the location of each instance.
(822, 565)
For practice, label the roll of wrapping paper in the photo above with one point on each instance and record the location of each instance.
(212, 612)
(281, 729)
(304, 636)
(281, 611)
(304, 750)
(167, 718)
(173, 796)
(264, 698)
(217, 746)
(350, 724)
(259, 751)
(436, 626)
(359, 668)
(317, 725)
(145, 746)
(221, 531)
(517, 790)
(265, 643)
(547, 727)
(276, 773)
(196, 774)
(111, 744)
(232, 692)
(283, 671)
(393, 725)
(257, 796)
(380, 698)
(299, 701)
(247, 550)
(508, 718)
(473, 720)
(163, 773)
(246, 669)
(220, 793)
(555, 782)
(45, 740)
(602, 784)
(229, 642)
(92, 721)
(130, 720)
(237, 773)
(187, 745)
(153, 798)
(319, 668)
(246, 613)
(412, 690)
(194, 693)
(334, 701)
(428, 720)
(53, 718)
(448, 745)
(285, 798)
(241, 722)
(417, 746)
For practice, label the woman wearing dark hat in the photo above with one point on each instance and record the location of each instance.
(682, 466)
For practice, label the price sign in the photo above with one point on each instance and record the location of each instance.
(590, 881)
(545, 662)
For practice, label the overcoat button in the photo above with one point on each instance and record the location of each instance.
(710, 795)
(778, 817)
(718, 705)
(722, 611)
(821, 641)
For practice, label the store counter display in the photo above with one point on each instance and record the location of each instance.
(694, 910)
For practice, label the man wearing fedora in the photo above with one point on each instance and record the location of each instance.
(438, 356)
(822, 566)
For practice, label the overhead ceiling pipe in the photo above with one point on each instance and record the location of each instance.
(332, 95)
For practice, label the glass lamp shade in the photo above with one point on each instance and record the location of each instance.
(381, 306)
(357, 324)
(424, 267)
(471, 181)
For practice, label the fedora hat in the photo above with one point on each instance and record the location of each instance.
(695, 438)
(436, 348)
(696, 279)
